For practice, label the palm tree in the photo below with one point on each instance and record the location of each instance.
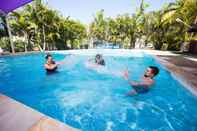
(9, 33)
(98, 26)
(176, 33)
(22, 26)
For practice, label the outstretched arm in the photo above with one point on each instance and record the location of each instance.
(59, 62)
(136, 84)
(126, 75)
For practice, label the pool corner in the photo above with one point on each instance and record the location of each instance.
(15, 116)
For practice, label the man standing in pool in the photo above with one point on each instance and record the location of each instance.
(146, 82)
(50, 64)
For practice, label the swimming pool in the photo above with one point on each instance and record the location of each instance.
(95, 101)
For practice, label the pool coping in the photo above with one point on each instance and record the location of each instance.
(176, 74)
(15, 116)
(174, 70)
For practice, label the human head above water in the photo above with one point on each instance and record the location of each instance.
(49, 57)
(151, 71)
(98, 56)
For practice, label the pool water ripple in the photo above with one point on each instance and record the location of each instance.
(93, 101)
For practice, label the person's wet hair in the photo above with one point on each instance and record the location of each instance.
(99, 60)
(98, 56)
(48, 55)
(155, 70)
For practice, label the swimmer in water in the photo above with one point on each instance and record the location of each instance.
(97, 63)
(50, 64)
(146, 82)
(99, 60)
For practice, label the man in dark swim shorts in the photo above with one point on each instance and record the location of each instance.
(146, 82)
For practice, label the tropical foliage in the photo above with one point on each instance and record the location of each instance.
(43, 28)
(38, 27)
(158, 27)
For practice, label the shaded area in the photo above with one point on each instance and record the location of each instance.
(193, 28)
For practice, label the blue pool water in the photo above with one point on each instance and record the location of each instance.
(95, 101)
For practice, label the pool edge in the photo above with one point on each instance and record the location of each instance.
(19, 117)
(176, 75)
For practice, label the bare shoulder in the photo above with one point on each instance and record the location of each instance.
(46, 65)
(149, 81)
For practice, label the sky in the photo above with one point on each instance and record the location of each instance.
(84, 10)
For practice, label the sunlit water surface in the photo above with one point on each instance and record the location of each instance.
(96, 101)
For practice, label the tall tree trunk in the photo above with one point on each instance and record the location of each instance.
(25, 46)
(44, 38)
(37, 43)
(72, 45)
(40, 48)
(26, 41)
(29, 43)
(9, 34)
(66, 45)
(131, 42)
(47, 46)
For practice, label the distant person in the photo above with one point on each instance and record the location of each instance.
(146, 82)
(97, 64)
(50, 64)
(99, 60)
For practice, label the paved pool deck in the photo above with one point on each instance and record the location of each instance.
(15, 116)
